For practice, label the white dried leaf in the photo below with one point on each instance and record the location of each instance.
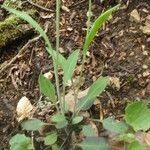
(115, 82)
(48, 75)
(134, 15)
(24, 108)
(65, 8)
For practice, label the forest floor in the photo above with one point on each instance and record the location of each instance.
(121, 50)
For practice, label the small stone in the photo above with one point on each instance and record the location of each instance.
(139, 75)
(146, 73)
(131, 54)
(48, 75)
(134, 15)
(65, 8)
(146, 29)
(144, 66)
(148, 40)
(145, 53)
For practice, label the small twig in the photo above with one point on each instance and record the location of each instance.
(65, 139)
(39, 6)
(111, 99)
(77, 4)
(5, 65)
(18, 55)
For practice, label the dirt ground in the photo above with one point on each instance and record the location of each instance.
(121, 50)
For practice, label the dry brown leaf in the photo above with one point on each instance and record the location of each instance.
(48, 75)
(147, 139)
(115, 82)
(143, 138)
(134, 15)
(70, 98)
(24, 108)
(146, 28)
(94, 127)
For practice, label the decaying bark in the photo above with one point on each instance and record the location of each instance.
(13, 28)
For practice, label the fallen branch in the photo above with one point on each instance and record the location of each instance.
(5, 65)
(39, 6)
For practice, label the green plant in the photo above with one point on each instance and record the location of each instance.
(136, 119)
(59, 119)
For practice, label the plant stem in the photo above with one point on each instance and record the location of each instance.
(75, 98)
(64, 91)
(84, 54)
(57, 51)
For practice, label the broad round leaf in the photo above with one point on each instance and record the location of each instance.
(57, 118)
(128, 137)
(94, 143)
(137, 115)
(115, 126)
(50, 139)
(137, 146)
(88, 131)
(60, 120)
(20, 142)
(32, 124)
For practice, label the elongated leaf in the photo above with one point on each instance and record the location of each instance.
(50, 139)
(32, 124)
(31, 21)
(115, 126)
(96, 89)
(94, 143)
(137, 115)
(47, 88)
(77, 119)
(20, 142)
(61, 59)
(70, 65)
(96, 26)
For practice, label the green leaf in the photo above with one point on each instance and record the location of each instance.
(50, 139)
(77, 119)
(115, 126)
(94, 143)
(61, 59)
(31, 21)
(32, 124)
(137, 146)
(70, 65)
(137, 115)
(128, 137)
(88, 131)
(61, 125)
(47, 88)
(20, 142)
(58, 118)
(60, 121)
(96, 89)
(96, 26)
